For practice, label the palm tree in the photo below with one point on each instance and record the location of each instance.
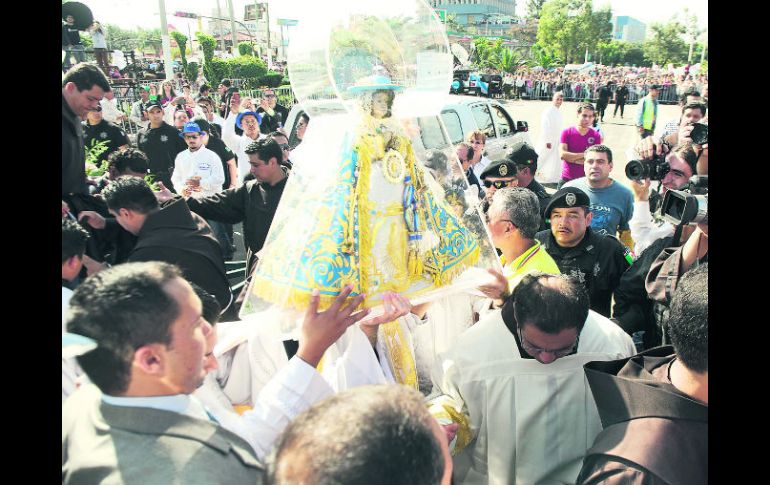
(544, 57)
(508, 60)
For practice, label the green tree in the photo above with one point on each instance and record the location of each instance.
(181, 41)
(245, 49)
(534, 8)
(208, 44)
(634, 56)
(508, 60)
(544, 57)
(666, 44)
(452, 25)
(570, 27)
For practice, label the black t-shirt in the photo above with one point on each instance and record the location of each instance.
(161, 145)
(70, 35)
(102, 131)
(218, 146)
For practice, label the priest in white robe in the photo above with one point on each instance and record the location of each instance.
(549, 163)
(517, 390)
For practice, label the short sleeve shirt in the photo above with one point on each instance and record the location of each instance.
(577, 143)
(612, 206)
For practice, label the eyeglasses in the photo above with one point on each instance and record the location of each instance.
(499, 184)
(268, 95)
(557, 353)
(284, 146)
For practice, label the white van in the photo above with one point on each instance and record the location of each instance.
(461, 115)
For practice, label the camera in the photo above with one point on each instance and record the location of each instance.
(654, 169)
(689, 206)
(700, 133)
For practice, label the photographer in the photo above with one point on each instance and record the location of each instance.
(634, 310)
(645, 229)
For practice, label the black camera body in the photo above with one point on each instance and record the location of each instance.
(688, 206)
(700, 133)
(654, 169)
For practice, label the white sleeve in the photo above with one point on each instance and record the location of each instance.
(177, 178)
(290, 392)
(229, 136)
(217, 178)
(644, 231)
(351, 362)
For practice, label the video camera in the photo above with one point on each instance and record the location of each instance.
(688, 206)
(654, 169)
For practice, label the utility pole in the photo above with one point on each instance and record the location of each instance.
(269, 49)
(219, 26)
(166, 42)
(234, 34)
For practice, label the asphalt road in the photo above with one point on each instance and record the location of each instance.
(620, 135)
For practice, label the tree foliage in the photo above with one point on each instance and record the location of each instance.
(666, 44)
(245, 49)
(618, 53)
(544, 57)
(133, 39)
(534, 8)
(570, 27)
(208, 44)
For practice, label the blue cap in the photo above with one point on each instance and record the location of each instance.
(374, 83)
(191, 127)
(246, 113)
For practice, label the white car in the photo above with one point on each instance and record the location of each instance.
(461, 115)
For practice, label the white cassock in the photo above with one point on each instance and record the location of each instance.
(502, 400)
(548, 161)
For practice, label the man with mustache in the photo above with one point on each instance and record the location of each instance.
(597, 260)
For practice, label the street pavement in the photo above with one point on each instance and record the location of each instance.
(619, 134)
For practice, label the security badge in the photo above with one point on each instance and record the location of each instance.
(570, 199)
(163, 138)
(503, 170)
(103, 135)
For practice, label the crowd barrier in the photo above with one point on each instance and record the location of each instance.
(582, 91)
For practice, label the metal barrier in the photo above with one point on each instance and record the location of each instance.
(582, 91)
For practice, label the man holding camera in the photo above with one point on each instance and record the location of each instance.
(634, 311)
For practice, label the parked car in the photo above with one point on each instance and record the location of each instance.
(461, 115)
(468, 81)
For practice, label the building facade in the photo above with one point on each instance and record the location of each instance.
(483, 16)
(628, 29)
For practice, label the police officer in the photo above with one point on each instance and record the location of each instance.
(96, 129)
(598, 261)
(497, 175)
(161, 143)
(525, 158)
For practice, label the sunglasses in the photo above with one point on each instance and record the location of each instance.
(284, 146)
(499, 184)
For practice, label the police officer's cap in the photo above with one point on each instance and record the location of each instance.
(566, 198)
(501, 168)
(523, 155)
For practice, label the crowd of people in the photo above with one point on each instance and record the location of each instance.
(585, 84)
(486, 386)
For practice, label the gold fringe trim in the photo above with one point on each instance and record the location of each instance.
(400, 356)
(442, 409)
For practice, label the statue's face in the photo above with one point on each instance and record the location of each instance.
(380, 104)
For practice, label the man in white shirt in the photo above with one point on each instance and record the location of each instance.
(110, 110)
(138, 114)
(197, 170)
(149, 360)
(249, 122)
(511, 392)
(549, 163)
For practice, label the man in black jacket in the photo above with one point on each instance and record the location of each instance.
(171, 234)
(654, 406)
(161, 143)
(254, 202)
(598, 261)
(273, 114)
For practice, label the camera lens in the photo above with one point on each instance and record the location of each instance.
(636, 170)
